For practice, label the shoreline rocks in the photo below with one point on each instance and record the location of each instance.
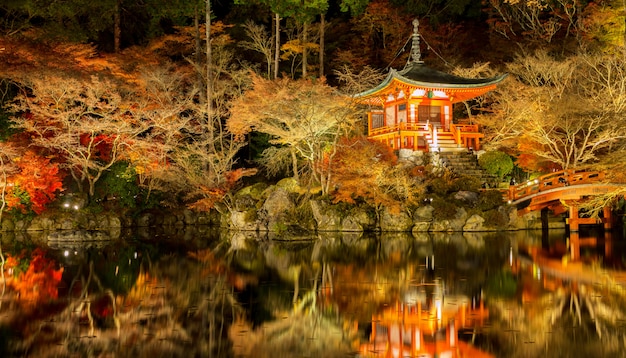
(279, 211)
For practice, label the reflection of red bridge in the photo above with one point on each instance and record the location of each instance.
(560, 192)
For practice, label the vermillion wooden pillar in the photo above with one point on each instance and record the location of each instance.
(573, 219)
(608, 244)
(607, 217)
(373, 335)
(574, 245)
(451, 333)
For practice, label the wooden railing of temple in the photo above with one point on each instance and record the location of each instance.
(467, 135)
(464, 135)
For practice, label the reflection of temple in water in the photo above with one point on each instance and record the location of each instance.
(426, 324)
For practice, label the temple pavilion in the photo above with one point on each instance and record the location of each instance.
(412, 108)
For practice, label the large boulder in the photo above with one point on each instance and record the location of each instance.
(244, 220)
(474, 223)
(7, 225)
(395, 221)
(41, 223)
(423, 213)
(254, 191)
(145, 219)
(453, 224)
(422, 219)
(327, 217)
(358, 219)
(276, 212)
(421, 226)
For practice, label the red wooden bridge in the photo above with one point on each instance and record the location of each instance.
(561, 192)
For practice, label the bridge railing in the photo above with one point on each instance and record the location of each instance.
(554, 180)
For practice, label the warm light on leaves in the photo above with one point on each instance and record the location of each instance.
(39, 282)
(38, 178)
(367, 170)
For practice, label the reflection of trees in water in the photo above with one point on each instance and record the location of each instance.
(303, 331)
(574, 319)
(178, 306)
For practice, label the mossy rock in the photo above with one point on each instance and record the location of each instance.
(255, 191)
(289, 184)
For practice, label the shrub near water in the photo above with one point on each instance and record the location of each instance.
(119, 184)
(120, 187)
(496, 163)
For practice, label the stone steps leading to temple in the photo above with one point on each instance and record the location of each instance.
(464, 162)
(445, 143)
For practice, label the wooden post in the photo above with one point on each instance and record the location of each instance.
(545, 224)
(572, 221)
(419, 314)
(607, 217)
(574, 245)
(463, 309)
(452, 330)
(608, 244)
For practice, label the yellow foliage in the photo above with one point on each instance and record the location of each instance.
(294, 47)
(142, 288)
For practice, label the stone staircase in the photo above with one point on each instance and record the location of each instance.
(445, 143)
(463, 162)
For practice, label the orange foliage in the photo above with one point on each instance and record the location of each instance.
(39, 282)
(528, 160)
(101, 142)
(365, 169)
(206, 257)
(233, 176)
(39, 178)
(212, 195)
(142, 288)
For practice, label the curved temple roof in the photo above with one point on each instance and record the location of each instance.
(418, 75)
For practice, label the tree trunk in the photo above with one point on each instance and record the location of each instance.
(117, 26)
(209, 79)
(322, 32)
(624, 34)
(2, 199)
(277, 49)
(305, 39)
(199, 51)
(294, 162)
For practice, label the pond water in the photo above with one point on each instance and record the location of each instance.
(225, 294)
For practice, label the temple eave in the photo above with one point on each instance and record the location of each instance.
(455, 94)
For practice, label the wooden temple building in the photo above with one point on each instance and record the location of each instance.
(412, 108)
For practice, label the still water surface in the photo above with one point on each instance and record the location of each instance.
(217, 294)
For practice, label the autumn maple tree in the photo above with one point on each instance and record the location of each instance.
(83, 122)
(304, 117)
(368, 171)
(35, 183)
